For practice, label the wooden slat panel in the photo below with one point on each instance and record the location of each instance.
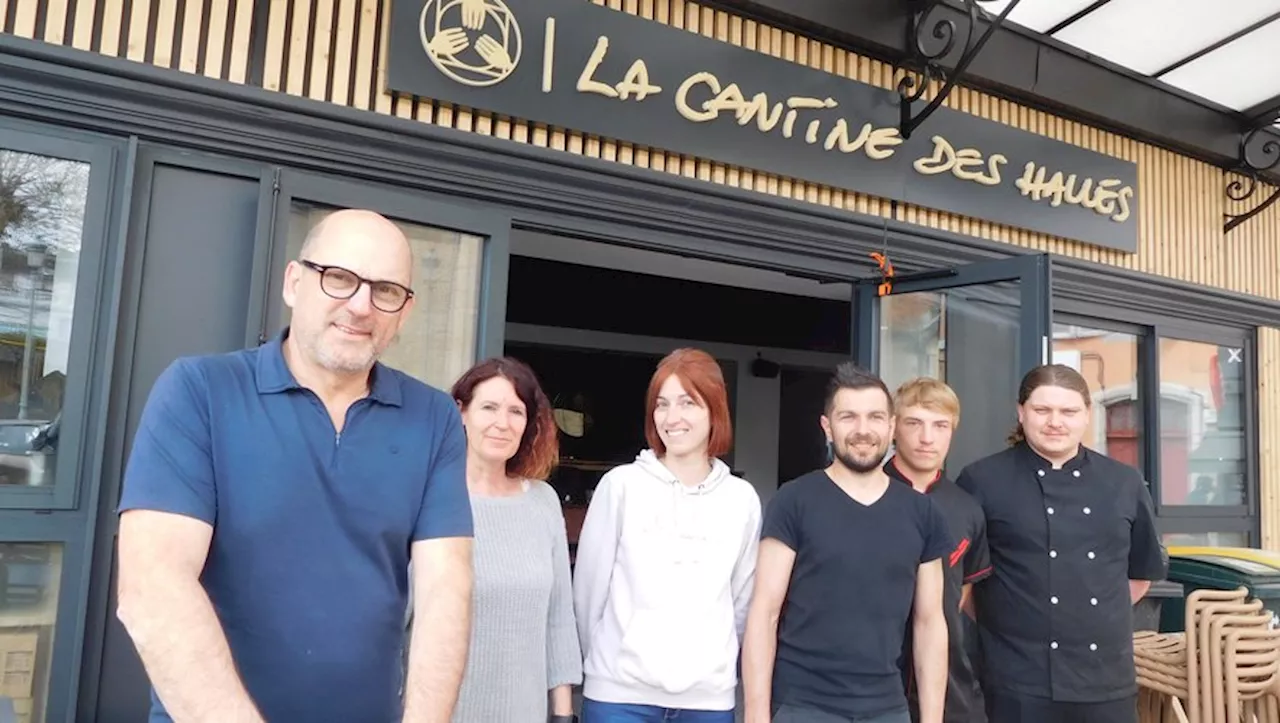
(24, 18)
(166, 21)
(139, 30)
(277, 20)
(189, 52)
(220, 24)
(112, 25)
(82, 30)
(55, 21)
(238, 68)
(1269, 432)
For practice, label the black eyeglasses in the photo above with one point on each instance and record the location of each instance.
(341, 283)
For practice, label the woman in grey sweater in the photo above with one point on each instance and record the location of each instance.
(524, 656)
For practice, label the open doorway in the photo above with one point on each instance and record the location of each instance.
(593, 320)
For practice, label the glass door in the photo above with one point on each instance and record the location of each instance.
(978, 327)
(460, 279)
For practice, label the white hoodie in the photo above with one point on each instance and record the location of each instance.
(661, 585)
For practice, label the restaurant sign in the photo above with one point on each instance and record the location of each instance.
(581, 66)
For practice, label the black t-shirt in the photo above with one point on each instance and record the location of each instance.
(967, 562)
(841, 631)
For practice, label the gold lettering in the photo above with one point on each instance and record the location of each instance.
(840, 136)
(682, 98)
(946, 158)
(758, 108)
(1032, 181)
(877, 143)
(789, 124)
(548, 55)
(798, 102)
(1079, 197)
(637, 81)
(943, 158)
(1102, 197)
(586, 81)
(882, 137)
(728, 99)
(1123, 197)
(811, 135)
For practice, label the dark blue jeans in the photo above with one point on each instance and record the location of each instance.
(597, 712)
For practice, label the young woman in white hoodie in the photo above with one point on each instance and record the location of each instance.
(666, 561)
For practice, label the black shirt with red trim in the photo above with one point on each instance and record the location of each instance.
(968, 562)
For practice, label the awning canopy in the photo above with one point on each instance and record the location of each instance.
(1227, 53)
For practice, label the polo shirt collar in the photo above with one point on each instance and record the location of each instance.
(273, 375)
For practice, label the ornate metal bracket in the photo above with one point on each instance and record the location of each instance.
(1250, 168)
(922, 62)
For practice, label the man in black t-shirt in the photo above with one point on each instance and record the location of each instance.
(846, 558)
(927, 412)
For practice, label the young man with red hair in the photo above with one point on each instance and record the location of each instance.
(666, 561)
(928, 413)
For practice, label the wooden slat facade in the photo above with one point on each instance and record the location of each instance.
(1269, 433)
(334, 51)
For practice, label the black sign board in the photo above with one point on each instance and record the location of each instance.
(580, 66)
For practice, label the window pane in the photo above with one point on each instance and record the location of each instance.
(438, 343)
(1108, 361)
(1205, 539)
(968, 337)
(1202, 460)
(42, 207)
(29, 577)
(911, 341)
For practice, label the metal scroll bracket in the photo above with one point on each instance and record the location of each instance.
(923, 63)
(1246, 183)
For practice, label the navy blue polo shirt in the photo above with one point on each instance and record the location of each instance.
(308, 566)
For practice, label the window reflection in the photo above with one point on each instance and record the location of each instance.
(1108, 361)
(439, 341)
(42, 207)
(1202, 458)
(1205, 539)
(29, 581)
(968, 337)
(912, 328)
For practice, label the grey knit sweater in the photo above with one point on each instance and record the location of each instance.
(524, 641)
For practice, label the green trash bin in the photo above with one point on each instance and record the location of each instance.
(1220, 568)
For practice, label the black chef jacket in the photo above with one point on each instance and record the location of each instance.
(967, 563)
(1055, 618)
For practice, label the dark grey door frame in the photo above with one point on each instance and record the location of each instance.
(486, 221)
(65, 514)
(116, 381)
(1031, 271)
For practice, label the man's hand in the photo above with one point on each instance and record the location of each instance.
(168, 615)
(760, 644)
(1138, 590)
(442, 581)
(929, 641)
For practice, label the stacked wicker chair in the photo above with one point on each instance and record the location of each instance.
(1224, 669)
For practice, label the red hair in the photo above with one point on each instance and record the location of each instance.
(539, 449)
(702, 378)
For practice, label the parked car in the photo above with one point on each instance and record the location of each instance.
(28, 451)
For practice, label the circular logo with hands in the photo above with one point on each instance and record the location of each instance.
(474, 42)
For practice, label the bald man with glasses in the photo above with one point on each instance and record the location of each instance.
(275, 497)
